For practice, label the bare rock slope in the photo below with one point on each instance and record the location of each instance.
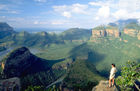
(103, 86)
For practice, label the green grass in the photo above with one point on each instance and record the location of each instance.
(57, 51)
(102, 54)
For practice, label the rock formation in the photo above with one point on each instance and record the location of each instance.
(113, 32)
(105, 33)
(138, 36)
(100, 33)
(131, 32)
(103, 86)
(12, 84)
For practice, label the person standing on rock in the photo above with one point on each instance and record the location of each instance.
(112, 75)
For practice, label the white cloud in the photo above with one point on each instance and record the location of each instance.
(129, 5)
(41, 1)
(7, 9)
(77, 15)
(2, 6)
(36, 22)
(68, 10)
(126, 9)
(104, 11)
(79, 8)
(57, 22)
(13, 12)
(122, 13)
(121, 9)
(101, 3)
(9, 12)
(96, 3)
(66, 14)
(96, 18)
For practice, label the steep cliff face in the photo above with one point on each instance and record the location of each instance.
(98, 33)
(105, 33)
(110, 31)
(113, 32)
(132, 32)
(138, 36)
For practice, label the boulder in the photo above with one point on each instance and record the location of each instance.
(103, 86)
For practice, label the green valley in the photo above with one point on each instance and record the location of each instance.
(81, 58)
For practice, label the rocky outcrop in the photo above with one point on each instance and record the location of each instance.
(103, 86)
(138, 36)
(98, 33)
(105, 33)
(113, 32)
(101, 34)
(12, 84)
(132, 32)
(21, 62)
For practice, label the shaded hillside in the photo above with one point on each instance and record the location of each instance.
(82, 75)
(105, 52)
(21, 62)
(5, 30)
(31, 69)
(40, 39)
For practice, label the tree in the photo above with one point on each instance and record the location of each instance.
(129, 74)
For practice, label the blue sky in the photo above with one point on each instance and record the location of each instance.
(66, 13)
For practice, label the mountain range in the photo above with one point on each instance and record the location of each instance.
(81, 56)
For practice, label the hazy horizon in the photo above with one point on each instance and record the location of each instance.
(63, 14)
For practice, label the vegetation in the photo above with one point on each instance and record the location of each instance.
(112, 27)
(102, 27)
(42, 88)
(129, 74)
(42, 79)
(87, 60)
(2, 48)
(104, 52)
(133, 26)
(76, 34)
(77, 79)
